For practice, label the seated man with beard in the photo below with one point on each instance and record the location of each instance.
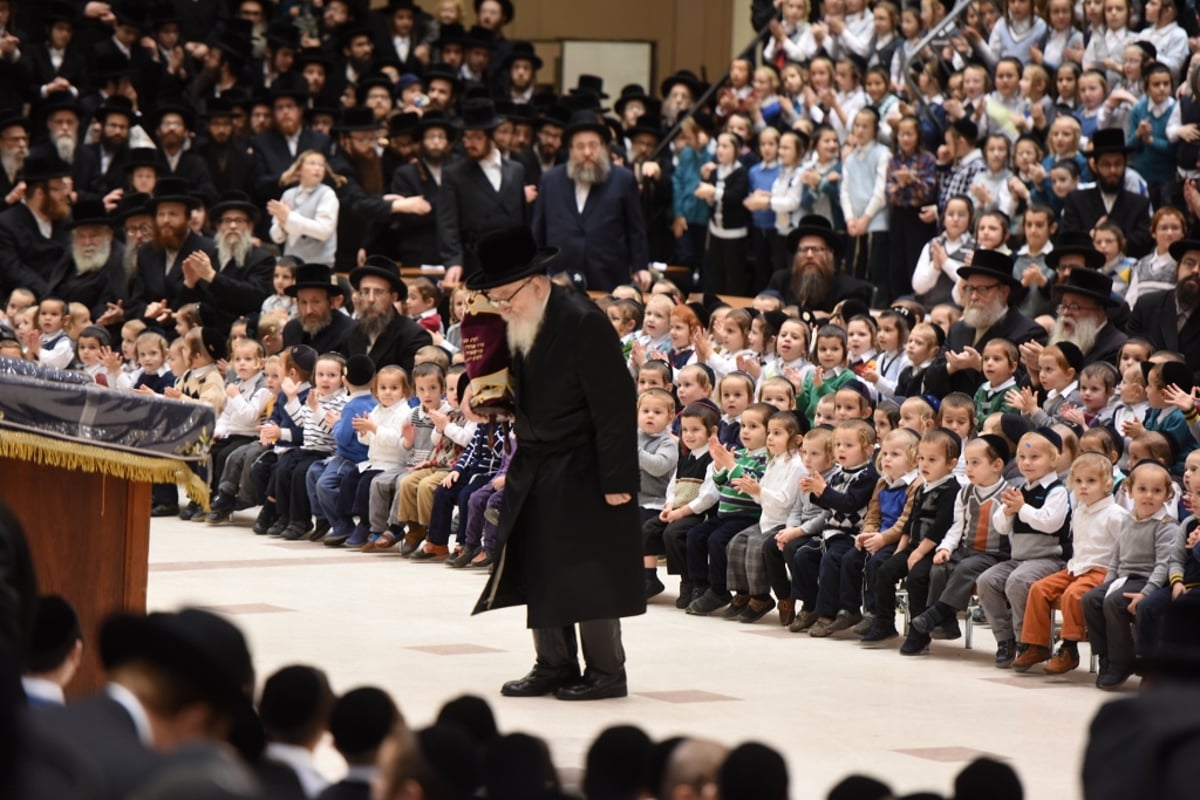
(239, 287)
(591, 211)
(383, 333)
(1169, 319)
(988, 286)
(318, 324)
(158, 284)
(33, 237)
(93, 270)
(812, 282)
(14, 149)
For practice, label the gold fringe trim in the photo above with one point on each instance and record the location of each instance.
(90, 458)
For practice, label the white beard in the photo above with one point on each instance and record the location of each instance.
(1083, 336)
(66, 148)
(12, 163)
(85, 265)
(981, 319)
(523, 331)
(235, 251)
(590, 175)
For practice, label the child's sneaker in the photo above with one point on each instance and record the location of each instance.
(1033, 654)
(1006, 652)
(821, 628)
(1065, 660)
(708, 602)
(915, 643)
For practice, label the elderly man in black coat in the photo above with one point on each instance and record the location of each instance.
(93, 270)
(1171, 319)
(813, 281)
(383, 333)
(318, 324)
(987, 288)
(1109, 200)
(569, 522)
(590, 210)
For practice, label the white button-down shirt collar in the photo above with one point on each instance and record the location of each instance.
(491, 166)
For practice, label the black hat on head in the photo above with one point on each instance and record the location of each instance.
(991, 264)
(406, 123)
(289, 85)
(687, 78)
(218, 108)
(131, 205)
(170, 189)
(1089, 282)
(631, 91)
(199, 645)
(507, 256)
(88, 211)
(234, 37)
(556, 115)
(357, 119)
(478, 37)
(116, 104)
(304, 357)
(480, 115)
(814, 225)
(312, 55)
(60, 11)
(582, 121)
(360, 369)
(1173, 372)
(1075, 243)
(507, 11)
(966, 128)
(454, 33)
(361, 719)
(10, 118)
(54, 633)
(145, 157)
(437, 119)
(1014, 426)
(381, 267)
(1178, 249)
(282, 33)
(590, 83)
(1107, 140)
(132, 13)
(184, 110)
(43, 164)
(647, 124)
(313, 276)
(234, 200)
(1072, 354)
(1050, 435)
(523, 51)
(59, 101)
(214, 343)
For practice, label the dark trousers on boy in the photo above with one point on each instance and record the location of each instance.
(821, 578)
(916, 582)
(805, 560)
(1110, 625)
(674, 545)
(874, 563)
(289, 487)
(219, 452)
(707, 564)
(445, 499)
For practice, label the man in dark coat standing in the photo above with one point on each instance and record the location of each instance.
(590, 210)
(987, 289)
(569, 523)
(411, 238)
(1171, 319)
(1109, 200)
(33, 235)
(383, 333)
(813, 281)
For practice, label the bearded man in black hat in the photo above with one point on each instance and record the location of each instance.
(93, 270)
(62, 116)
(813, 282)
(276, 150)
(14, 149)
(987, 287)
(411, 237)
(1109, 200)
(383, 333)
(589, 209)
(317, 324)
(33, 235)
(229, 167)
(1170, 319)
(546, 151)
(569, 523)
(654, 185)
(1086, 304)
(172, 124)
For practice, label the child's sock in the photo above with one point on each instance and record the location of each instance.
(396, 529)
(1067, 644)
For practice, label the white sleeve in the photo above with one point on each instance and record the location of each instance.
(322, 226)
(925, 274)
(879, 195)
(953, 536)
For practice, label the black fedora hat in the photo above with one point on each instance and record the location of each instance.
(437, 119)
(647, 124)
(116, 104)
(132, 13)
(59, 101)
(1107, 140)
(586, 121)
(60, 11)
(507, 256)
(479, 115)
(381, 267)
(815, 225)
(145, 157)
(454, 33)
(43, 164)
(991, 264)
(364, 86)
(313, 276)
(523, 51)
(583, 100)
(289, 85)
(170, 189)
(312, 55)
(10, 118)
(326, 104)
(688, 79)
(282, 33)
(234, 37)
(182, 109)
(360, 118)
(522, 114)
(556, 115)
(111, 66)
(233, 200)
(478, 37)
(218, 108)
(1089, 282)
(205, 649)
(132, 204)
(89, 211)
(630, 91)
(507, 11)
(1075, 243)
(590, 83)
(1182, 246)
(405, 123)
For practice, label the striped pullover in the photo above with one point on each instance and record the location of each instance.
(972, 530)
(484, 452)
(318, 436)
(847, 493)
(733, 503)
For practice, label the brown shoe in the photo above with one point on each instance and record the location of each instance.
(756, 609)
(385, 542)
(431, 553)
(803, 621)
(412, 538)
(787, 611)
(736, 606)
(1034, 654)
(1065, 660)
(822, 628)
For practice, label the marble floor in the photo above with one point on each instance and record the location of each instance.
(830, 706)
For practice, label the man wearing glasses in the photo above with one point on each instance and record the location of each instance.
(569, 522)
(813, 281)
(1170, 319)
(986, 291)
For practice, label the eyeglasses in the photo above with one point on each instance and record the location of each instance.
(970, 290)
(1074, 308)
(811, 250)
(506, 302)
(234, 221)
(1189, 263)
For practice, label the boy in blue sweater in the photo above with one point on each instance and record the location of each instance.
(327, 493)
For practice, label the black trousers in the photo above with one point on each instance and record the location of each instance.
(219, 452)
(603, 653)
(778, 561)
(908, 236)
(674, 541)
(917, 584)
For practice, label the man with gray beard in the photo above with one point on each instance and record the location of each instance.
(1170, 319)
(92, 272)
(318, 324)
(383, 332)
(987, 288)
(14, 149)
(591, 210)
(239, 287)
(62, 114)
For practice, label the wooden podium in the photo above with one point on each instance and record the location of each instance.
(89, 534)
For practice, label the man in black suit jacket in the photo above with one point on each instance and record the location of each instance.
(361, 199)
(158, 283)
(243, 281)
(92, 271)
(116, 117)
(987, 289)
(482, 194)
(14, 149)
(604, 236)
(42, 75)
(382, 333)
(1109, 199)
(411, 238)
(277, 149)
(546, 152)
(1170, 319)
(172, 124)
(62, 117)
(230, 167)
(33, 236)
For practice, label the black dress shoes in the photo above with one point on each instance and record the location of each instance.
(595, 687)
(540, 681)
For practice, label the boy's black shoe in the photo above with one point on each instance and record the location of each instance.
(735, 608)
(190, 510)
(216, 517)
(926, 621)
(654, 586)
(294, 532)
(1110, 678)
(880, 633)
(164, 510)
(948, 630)
(756, 609)
(915, 643)
(463, 558)
(277, 527)
(686, 590)
(1006, 651)
(708, 602)
(323, 527)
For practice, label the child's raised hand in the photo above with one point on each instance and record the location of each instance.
(637, 353)
(172, 393)
(1016, 399)
(1184, 401)
(232, 390)
(1193, 538)
(1013, 501)
(111, 359)
(869, 375)
(941, 557)
(222, 366)
(793, 375)
(1033, 275)
(364, 424)
(748, 485)
(289, 388)
(813, 484)
(1132, 429)
(818, 377)
(312, 400)
(439, 419)
(749, 365)
(331, 418)
(701, 345)
(408, 430)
